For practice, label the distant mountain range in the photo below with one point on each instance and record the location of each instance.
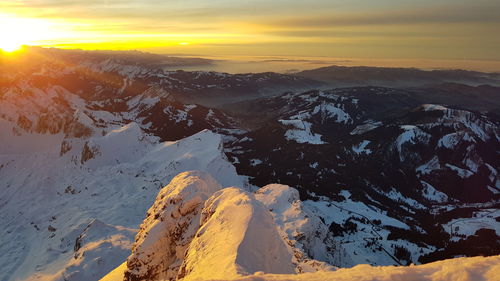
(390, 166)
(342, 76)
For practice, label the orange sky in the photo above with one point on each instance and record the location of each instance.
(383, 29)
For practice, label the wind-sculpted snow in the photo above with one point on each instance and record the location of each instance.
(463, 269)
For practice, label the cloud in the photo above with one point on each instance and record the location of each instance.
(290, 13)
(336, 33)
(430, 15)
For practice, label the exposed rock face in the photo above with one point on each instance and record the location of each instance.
(169, 227)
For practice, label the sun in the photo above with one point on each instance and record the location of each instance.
(18, 31)
(10, 46)
(14, 33)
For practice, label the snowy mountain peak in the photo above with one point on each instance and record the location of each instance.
(169, 227)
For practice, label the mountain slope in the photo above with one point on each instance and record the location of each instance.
(396, 77)
(52, 198)
(416, 163)
(379, 175)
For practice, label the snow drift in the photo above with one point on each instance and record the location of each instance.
(462, 269)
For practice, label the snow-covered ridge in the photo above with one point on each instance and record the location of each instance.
(89, 138)
(303, 229)
(197, 230)
(464, 269)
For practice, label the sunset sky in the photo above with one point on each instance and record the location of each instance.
(429, 29)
